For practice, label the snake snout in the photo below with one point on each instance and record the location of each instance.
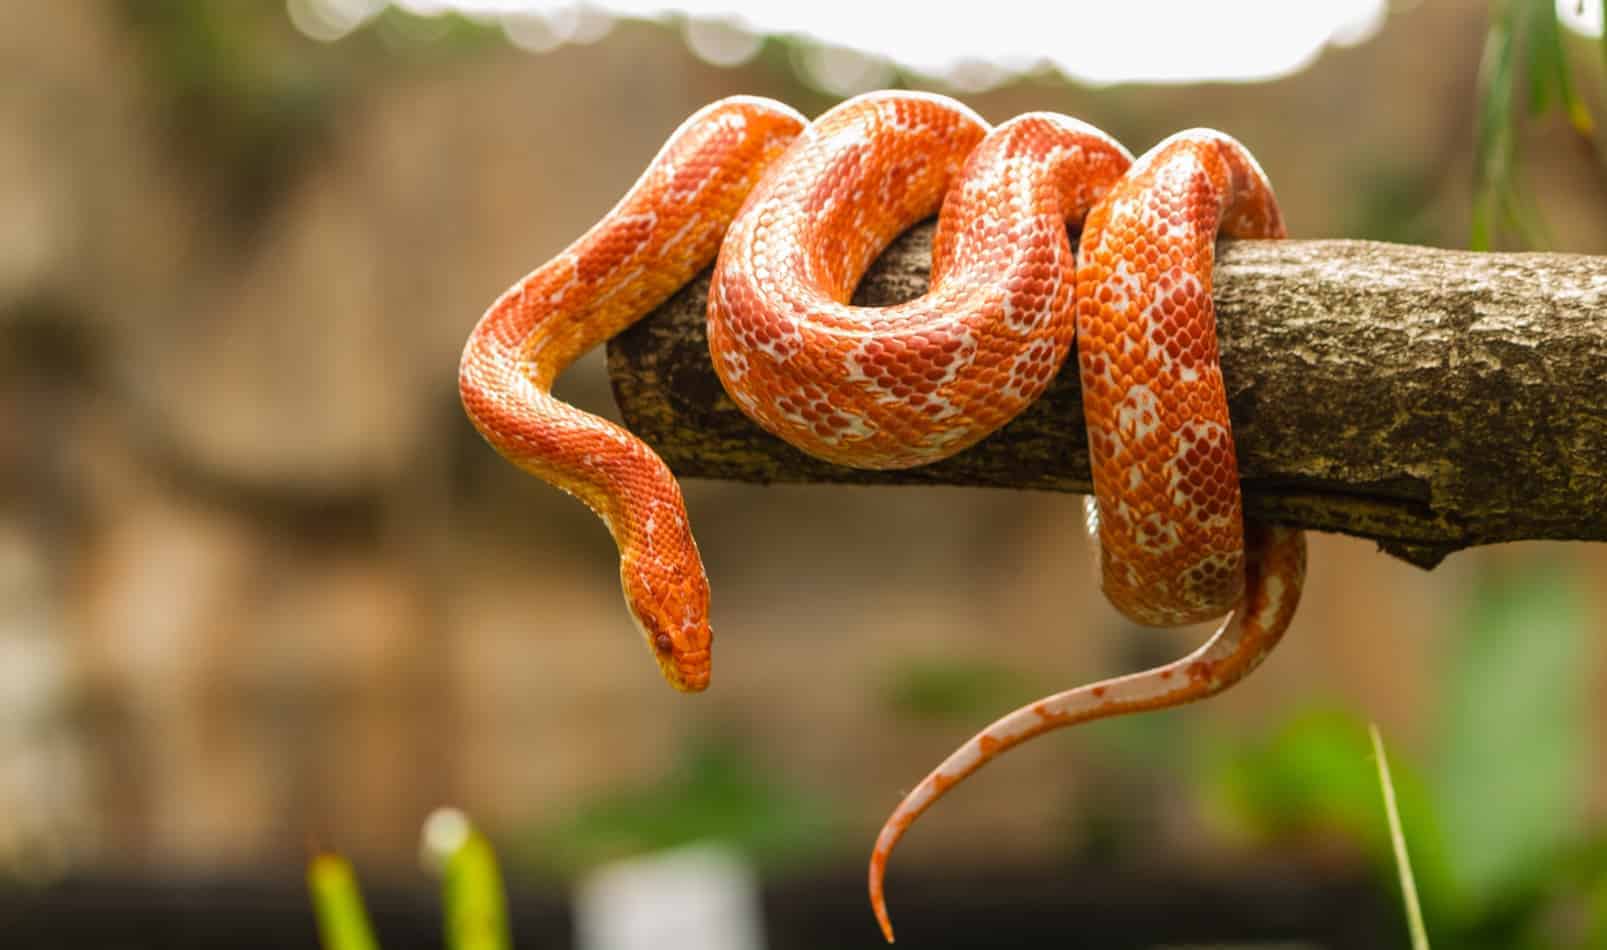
(692, 670)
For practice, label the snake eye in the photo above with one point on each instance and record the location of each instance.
(663, 643)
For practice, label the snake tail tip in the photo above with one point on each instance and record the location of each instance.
(879, 908)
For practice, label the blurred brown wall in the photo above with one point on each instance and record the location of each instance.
(259, 581)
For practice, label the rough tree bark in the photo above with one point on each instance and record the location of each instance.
(1430, 400)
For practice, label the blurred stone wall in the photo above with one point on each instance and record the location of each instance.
(260, 582)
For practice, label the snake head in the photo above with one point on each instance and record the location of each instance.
(670, 605)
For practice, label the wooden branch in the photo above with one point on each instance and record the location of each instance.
(1430, 400)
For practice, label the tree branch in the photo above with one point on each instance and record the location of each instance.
(1430, 400)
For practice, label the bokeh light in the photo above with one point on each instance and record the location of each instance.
(1581, 17)
(1173, 41)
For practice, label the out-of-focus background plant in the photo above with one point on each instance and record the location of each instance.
(1492, 805)
(261, 584)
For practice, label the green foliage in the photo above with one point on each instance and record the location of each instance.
(245, 96)
(1510, 759)
(714, 793)
(338, 903)
(1314, 778)
(1392, 204)
(249, 97)
(950, 689)
(1495, 832)
(473, 896)
(1397, 837)
(1524, 43)
(1598, 894)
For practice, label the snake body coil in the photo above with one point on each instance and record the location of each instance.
(796, 211)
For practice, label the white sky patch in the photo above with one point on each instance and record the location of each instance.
(855, 44)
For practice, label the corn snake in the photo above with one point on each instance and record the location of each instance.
(791, 213)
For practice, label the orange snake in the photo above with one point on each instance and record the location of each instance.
(796, 211)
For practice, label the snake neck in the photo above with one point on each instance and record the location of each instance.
(664, 230)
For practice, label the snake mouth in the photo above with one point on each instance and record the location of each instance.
(689, 671)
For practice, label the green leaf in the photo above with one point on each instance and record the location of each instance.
(473, 897)
(337, 901)
(1526, 34)
(1316, 776)
(1548, 68)
(716, 792)
(1397, 837)
(1598, 913)
(1494, 154)
(1513, 737)
(1542, 52)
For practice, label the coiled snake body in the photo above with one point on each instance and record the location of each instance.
(796, 211)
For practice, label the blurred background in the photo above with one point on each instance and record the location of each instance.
(262, 585)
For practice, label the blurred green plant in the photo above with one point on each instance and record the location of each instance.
(472, 894)
(1501, 859)
(1312, 780)
(248, 97)
(338, 903)
(952, 689)
(1393, 202)
(1525, 48)
(715, 792)
(1513, 742)
(243, 95)
(1397, 839)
